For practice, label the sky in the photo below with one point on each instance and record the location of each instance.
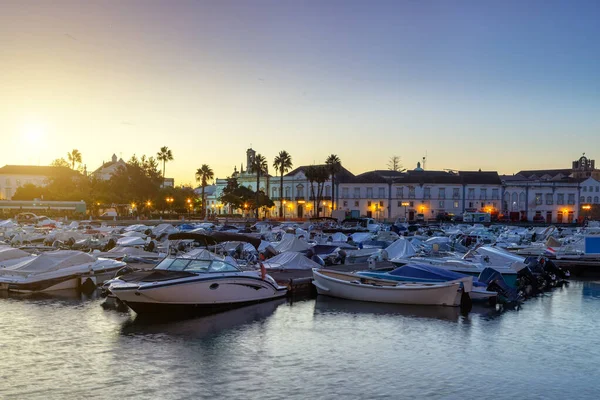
(502, 86)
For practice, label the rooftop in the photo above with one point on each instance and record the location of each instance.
(39, 170)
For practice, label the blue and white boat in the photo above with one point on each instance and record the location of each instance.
(428, 273)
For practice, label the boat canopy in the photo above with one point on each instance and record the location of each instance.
(53, 261)
(400, 248)
(289, 243)
(10, 253)
(290, 260)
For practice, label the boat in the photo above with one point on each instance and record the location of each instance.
(429, 273)
(189, 285)
(355, 287)
(57, 270)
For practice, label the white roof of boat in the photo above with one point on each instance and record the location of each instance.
(54, 260)
(10, 253)
(290, 260)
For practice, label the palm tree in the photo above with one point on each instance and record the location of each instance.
(334, 165)
(74, 157)
(282, 163)
(259, 166)
(164, 155)
(203, 175)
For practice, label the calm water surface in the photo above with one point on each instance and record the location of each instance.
(66, 346)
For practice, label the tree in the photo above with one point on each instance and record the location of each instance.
(259, 166)
(319, 174)
(164, 155)
(29, 191)
(334, 165)
(74, 157)
(394, 164)
(203, 175)
(237, 196)
(60, 162)
(282, 163)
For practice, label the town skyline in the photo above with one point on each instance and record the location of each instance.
(502, 87)
(242, 162)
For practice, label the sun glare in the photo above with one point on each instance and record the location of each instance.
(33, 133)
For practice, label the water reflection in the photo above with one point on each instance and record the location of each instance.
(332, 305)
(67, 296)
(201, 326)
(591, 289)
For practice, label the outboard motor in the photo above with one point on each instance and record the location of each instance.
(551, 268)
(530, 283)
(495, 282)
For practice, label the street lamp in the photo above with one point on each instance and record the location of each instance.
(169, 201)
(284, 207)
(405, 204)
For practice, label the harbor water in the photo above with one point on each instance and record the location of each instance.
(68, 346)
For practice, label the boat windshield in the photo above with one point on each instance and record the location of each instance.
(197, 266)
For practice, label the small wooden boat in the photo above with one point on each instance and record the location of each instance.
(355, 287)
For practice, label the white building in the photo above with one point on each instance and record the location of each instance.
(14, 176)
(108, 169)
(389, 194)
(552, 195)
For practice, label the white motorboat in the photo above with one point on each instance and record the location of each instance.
(355, 287)
(56, 270)
(184, 285)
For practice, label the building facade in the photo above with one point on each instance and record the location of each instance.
(405, 195)
(554, 196)
(107, 169)
(13, 177)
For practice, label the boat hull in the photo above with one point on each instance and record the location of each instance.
(196, 295)
(445, 294)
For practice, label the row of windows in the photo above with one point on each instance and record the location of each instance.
(299, 191)
(560, 198)
(441, 204)
(591, 189)
(483, 194)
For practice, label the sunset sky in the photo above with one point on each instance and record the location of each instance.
(503, 85)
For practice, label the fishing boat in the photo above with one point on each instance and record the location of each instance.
(189, 285)
(355, 287)
(429, 273)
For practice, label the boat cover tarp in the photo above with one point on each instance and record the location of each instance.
(290, 260)
(323, 249)
(53, 261)
(10, 253)
(339, 237)
(429, 272)
(359, 237)
(400, 248)
(131, 241)
(290, 242)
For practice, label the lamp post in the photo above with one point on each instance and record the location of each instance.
(284, 207)
(586, 214)
(169, 200)
(405, 204)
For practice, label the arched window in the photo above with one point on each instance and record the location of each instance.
(521, 201)
(589, 199)
(582, 199)
(595, 199)
(274, 193)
